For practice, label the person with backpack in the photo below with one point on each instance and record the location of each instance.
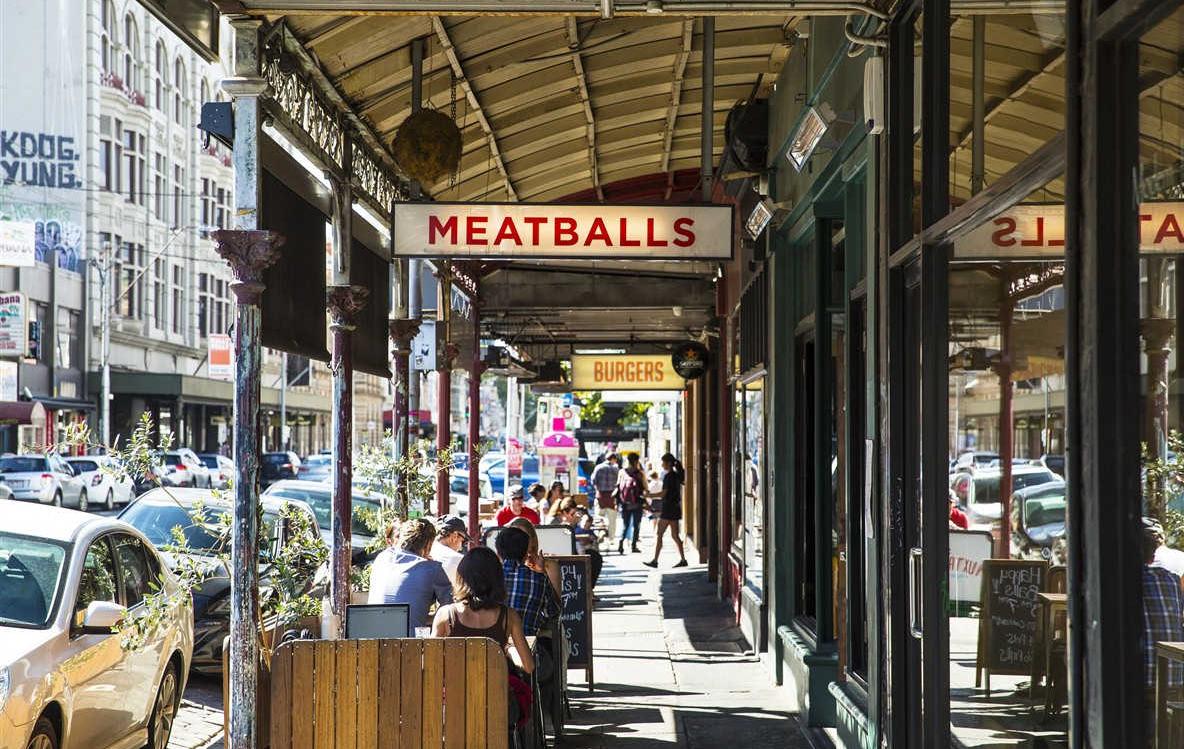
(631, 488)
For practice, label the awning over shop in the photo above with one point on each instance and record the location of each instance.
(13, 413)
(203, 390)
(66, 404)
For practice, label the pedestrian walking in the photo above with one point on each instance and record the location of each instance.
(604, 483)
(671, 498)
(631, 501)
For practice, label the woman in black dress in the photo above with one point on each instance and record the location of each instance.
(671, 496)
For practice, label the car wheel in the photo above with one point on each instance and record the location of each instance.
(164, 711)
(83, 503)
(57, 498)
(110, 503)
(44, 736)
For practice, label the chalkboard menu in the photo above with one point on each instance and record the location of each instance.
(575, 591)
(1007, 632)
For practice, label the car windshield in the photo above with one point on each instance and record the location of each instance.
(85, 465)
(30, 572)
(157, 519)
(209, 461)
(318, 460)
(172, 460)
(986, 488)
(276, 458)
(23, 464)
(321, 502)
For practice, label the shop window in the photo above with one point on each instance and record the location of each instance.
(859, 516)
(805, 501)
(753, 487)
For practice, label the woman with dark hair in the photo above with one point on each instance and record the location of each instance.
(480, 608)
(553, 498)
(671, 497)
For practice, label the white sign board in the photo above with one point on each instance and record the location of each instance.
(43, 133)
(423, 347)
(18, 241)
(221, 357)
(968, 551)
(1039, 231)
(14, 325)
(548, 230)
(8, 373)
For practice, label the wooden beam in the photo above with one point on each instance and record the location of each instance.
(1022, 84)
(573, 43)
(474, 103)
(680, 68)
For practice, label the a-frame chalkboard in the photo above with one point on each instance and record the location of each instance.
(1007, 625)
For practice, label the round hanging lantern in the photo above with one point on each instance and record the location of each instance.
(427, 145)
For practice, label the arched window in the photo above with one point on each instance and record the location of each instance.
(131, 53)
(110, 35)
(205, 91)
(161, 83)
(179, 96)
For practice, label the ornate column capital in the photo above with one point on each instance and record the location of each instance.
(249, 252)
(402, 332)
(344, 303)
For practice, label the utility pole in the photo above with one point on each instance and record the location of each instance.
(103, 267)
(284, 400)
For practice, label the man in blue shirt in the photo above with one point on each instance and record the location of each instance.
(405, 573)
(528, 592)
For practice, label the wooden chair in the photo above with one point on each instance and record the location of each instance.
(433, 693)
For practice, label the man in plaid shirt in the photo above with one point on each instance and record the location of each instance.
(528, 592)
(1163, 608)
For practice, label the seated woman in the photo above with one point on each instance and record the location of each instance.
(480, 608)
(569, 513)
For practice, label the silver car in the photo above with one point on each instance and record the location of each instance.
(106, 486)
(47, 479)
(66, 579)
(182, 467)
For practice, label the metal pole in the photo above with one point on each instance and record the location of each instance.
(707, 125)
(1006, 430)
(978, 119)
(105, 345)
(415, 269)
(249, 251)
(284, 400)
(475, 426)
(443, 391)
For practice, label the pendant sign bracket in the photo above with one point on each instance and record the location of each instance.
(557, 231)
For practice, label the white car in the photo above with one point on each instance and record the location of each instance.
(47, 479)
(67, 578)
(106, 486)
(183, 468)
(221, 469)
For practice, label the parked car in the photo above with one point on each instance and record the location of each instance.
(973, 459)
(106, 486)
(156, 513)
(978, 492)
(1038, 519)
(275, 467)
(458, 493)
(47, 479)
(221, 469)
(319, 497)
(496, 470)
(316, 468)
(1054, 463)
(183, 468)
(66, 578)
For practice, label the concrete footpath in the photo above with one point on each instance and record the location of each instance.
(671, 668)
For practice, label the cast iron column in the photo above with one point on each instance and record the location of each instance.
(402, 331)
(1006, 428)
(475, 427)
(248, 253)
(344, 303)
(444, 388)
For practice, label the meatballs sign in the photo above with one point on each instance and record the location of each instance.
(548, 230)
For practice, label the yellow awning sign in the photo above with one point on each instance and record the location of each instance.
(624, 372)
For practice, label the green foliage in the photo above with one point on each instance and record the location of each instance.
(635, 414)
(1163, 484)
(591, 407)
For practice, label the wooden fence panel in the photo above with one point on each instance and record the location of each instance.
(281, 710)
(301, 699)
(454, 693)
(475, 698)
(368, 703)
(497, 700)
(433, 693)
(346, 712)
(324, 683)
(411, 696)
(390, 683)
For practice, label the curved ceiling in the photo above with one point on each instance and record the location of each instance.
(550, 106)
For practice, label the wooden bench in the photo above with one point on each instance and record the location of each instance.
(364, 694)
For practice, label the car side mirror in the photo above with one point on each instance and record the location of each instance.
(101, 617)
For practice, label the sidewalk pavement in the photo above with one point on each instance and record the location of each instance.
(671, 667)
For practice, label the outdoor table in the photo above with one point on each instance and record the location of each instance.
(1050, 605)
(1165, 653)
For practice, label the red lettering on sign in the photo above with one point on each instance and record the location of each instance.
(507, 231)
(1039, 240)
(475, 230)
(598, 232)
(565, 232)
(1002, 237)
(535, 222)
(682, 227)
(650, 239)
(435, 228)
(625, 241)
(1169, 228)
